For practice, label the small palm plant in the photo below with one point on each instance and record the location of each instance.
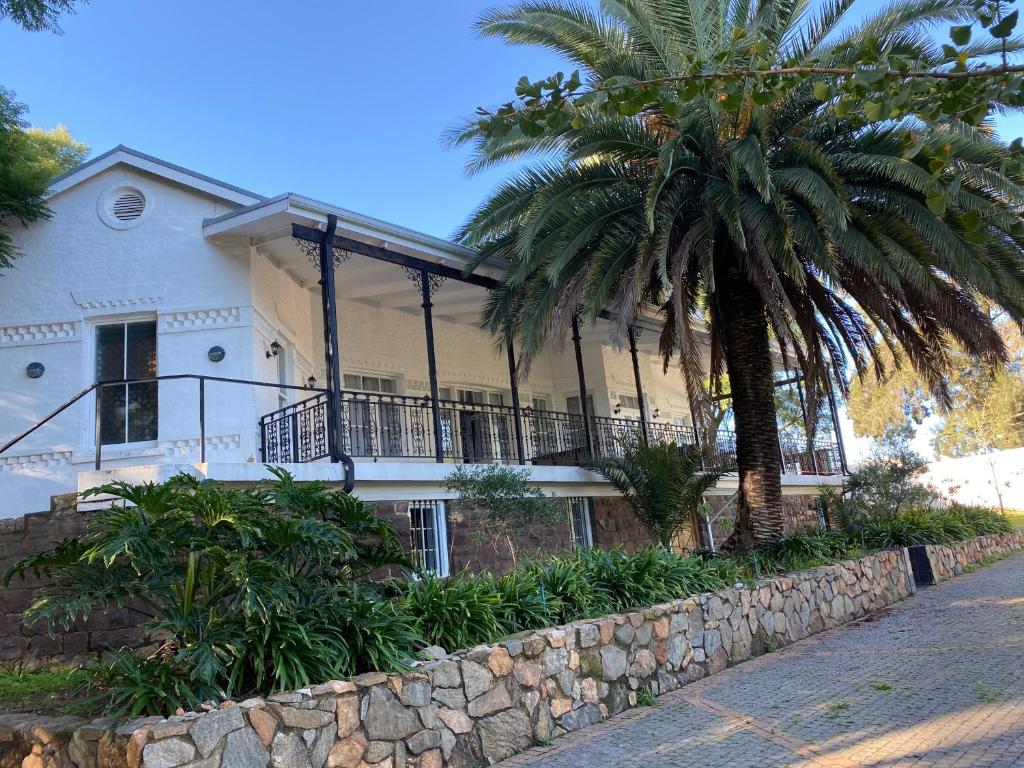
(663, 484)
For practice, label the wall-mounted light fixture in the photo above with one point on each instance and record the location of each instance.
(216, 354)
(275, 349)
(35, 370)
(657, 413)
(311, 381)
(618, 408)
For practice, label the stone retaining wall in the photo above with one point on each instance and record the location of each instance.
(23, 536)
(484, 704)
(941, 562)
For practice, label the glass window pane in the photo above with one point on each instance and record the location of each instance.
(142, 412)
(112, 415)
(128, 413)
(579, 522)
(429, 536)
(140, 362)
(110, 353)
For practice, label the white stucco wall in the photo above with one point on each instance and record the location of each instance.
(76, 272)
(990, 479)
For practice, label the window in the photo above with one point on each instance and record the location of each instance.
(540, 402)
(579, 522)
(375, 426)
(361, 383)
(629, 401)
(572, 405)
(429, 530)
(282, 377)
(128, 413)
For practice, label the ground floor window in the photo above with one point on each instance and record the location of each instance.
(429, 530)
(579, 522)
(128, 412)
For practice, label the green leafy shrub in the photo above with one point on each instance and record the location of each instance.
(982, 521)
(663, 484)
(380, 635)
(525, 604)
(454, 612)
(884, 486)
(808, 549)
(131, 685)
(498, 504)
(935, 525)
(579, 596)
(243, 590)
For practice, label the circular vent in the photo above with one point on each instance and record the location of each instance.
(128, 206)
(123, 207)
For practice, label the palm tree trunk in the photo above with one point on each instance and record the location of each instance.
(748, 360)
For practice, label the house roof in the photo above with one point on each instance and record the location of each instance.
(260, 217)
(122, 155)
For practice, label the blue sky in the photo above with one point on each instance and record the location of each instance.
(341, 101)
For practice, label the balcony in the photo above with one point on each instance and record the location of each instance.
(386, 427)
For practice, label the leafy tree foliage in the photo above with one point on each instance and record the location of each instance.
(37, 15)
(29, 159)
(663, 484)
(787, 179)
(986, 409)
(498, 503)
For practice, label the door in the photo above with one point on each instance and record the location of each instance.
(474, 430)
(128, 412)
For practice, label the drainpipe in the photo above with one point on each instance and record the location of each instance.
(332, 366)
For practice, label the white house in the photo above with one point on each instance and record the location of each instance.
(148, 271)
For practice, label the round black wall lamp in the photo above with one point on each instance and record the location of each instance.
(35, 370)
(216, 354)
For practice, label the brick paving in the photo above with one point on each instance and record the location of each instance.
(937, 680)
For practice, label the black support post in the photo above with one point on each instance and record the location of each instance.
(839, 434)
(332, 365)
(584, 405)
(807, 423)
(428, 323)
(517, 413)
(639, 386)
(202, 420)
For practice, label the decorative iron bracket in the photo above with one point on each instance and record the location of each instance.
(416, 277)
(312, 251)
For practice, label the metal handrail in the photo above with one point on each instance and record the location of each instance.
(201, 378)
(299, 403)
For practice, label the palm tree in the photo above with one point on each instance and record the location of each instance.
(792, 232)
(663, 485)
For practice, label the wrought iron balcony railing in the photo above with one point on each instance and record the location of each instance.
(383, 426)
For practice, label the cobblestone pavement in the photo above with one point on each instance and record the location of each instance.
(937, 680)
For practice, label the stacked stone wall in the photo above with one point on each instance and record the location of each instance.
(946, 561)
(28, 535)
(481, 705)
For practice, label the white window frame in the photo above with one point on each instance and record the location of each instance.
(439, 536)
(378, 376)
(583, 535)
(91, 326)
